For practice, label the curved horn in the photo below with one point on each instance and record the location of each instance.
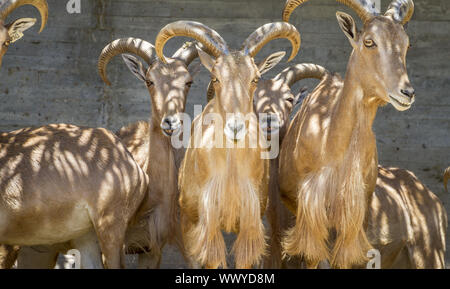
(135, 46)
(364, 8)
(269, 32)
(301, 71)
(188, 52)
(40, 5)
(212, 41)
(401, 10)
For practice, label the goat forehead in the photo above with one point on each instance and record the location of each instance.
(236, 65)
(274, 102)
(387, 30)
(173, 71)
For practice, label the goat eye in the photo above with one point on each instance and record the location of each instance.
(215, 80)
(290, 99)
(7, 43)
(189, 84)
(149, 83)
(369, 43)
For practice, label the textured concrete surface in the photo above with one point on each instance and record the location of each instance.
(52, 77)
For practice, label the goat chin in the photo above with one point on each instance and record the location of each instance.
(234, 206)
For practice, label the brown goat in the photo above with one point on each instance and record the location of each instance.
(225, 187)
(168, 84)
(406, 221)
(274, 102)
(64, 183)
(328, 159)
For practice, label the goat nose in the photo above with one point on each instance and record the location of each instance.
(409, 92)
(170, 121)
(170, 125)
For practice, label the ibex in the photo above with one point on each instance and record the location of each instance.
(274, 102)
(11, 32)
(406, 221)
(168, 83)
(61, 183)
(328, 159)
(225, 187)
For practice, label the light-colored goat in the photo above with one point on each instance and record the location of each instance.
(328, 159)
(225, 187)
(11, 32)
(406, 221)
(273, 103)
(61, 183)
(168, 84)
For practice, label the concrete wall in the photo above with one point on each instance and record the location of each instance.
(52, 77)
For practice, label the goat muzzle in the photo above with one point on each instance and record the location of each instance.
(171, 125)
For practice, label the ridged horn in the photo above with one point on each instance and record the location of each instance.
(213, 42)
(295, 73)
(130, 45)
(269, 32)
(188, 52)
(41, 6)
(364, 8)
(401, 10)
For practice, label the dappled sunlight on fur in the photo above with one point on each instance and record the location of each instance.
(226, 188)
(77, 180)
(328, 159)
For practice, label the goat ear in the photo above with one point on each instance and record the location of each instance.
(194, 69)
(301, 95)
(348, 26)
(16, 28)
(135, 66)
(270, 62)
(206, 59)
